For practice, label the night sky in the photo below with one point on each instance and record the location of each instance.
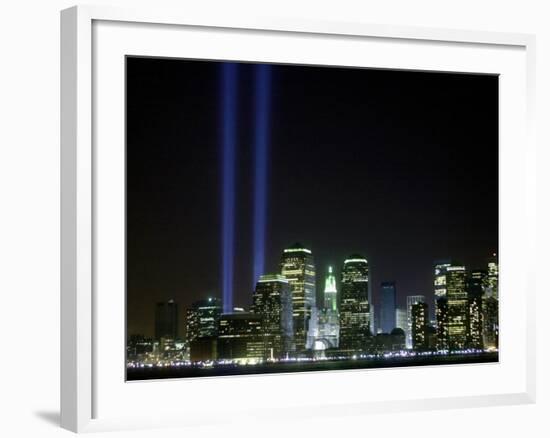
(399, 166)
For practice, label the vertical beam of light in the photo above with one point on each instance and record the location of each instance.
(228, 162)
(261, 146)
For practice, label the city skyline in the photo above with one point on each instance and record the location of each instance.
(236, 171)
(335, 270)
(472, 276)
(284, 328)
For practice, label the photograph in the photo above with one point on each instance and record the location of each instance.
(308, 218)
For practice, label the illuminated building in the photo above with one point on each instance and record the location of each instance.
(451, 305)
(298, 268)
(419, 328)
(490, 323)
(354, 305)
(442, 327)
(411, 301)
(475, 285)
(203, 318)
(240, 337)
(440, 279)
(401, 318)
(166, 320)
(490, 307)
(387, 306)
(330, 292)
(328, 326)
(492, 278)
(272, 300)
(431, 337)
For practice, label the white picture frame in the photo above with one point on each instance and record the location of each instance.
(85, 363)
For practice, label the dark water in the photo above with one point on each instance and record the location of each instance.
(229, 370)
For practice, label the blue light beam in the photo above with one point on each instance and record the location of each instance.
(229, 144)
(261, 150)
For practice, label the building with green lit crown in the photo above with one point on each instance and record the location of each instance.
(330, 293)
(328, 332)
(298, 268)
(354, 305)
(272, 301)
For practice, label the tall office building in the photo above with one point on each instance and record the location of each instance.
(419, 327)
(298, 268)
(475, 285)
(354, 305)
(411, 301)
(388, 299)
(492, 277)
(490, 323)
(451, 305)
(442, 327)
(272, 300)
(203, 318)
(240, 337)
(457, 302)
(328, 327)
(490, 307)
(166, 320)
(440, 278)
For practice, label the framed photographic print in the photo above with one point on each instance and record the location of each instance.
(338, 214)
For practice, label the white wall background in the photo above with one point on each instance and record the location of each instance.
(29, 214)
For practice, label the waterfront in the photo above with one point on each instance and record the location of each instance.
(167, 372)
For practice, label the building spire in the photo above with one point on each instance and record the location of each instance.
(330, 290)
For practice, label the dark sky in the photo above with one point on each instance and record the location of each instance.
(399, 166)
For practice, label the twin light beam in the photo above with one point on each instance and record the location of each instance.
(262, 104)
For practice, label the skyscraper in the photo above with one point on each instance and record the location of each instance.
(490, 307)
(492, 277)
(476, 283)
(440, 278)
(451, 305)
(490, 323)
(411, 301)
(272, 300)
(166, 320)
(298, 268)
(203, 318)
(328, 331)
(387, 306)
(354, 305)
(419, 328)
